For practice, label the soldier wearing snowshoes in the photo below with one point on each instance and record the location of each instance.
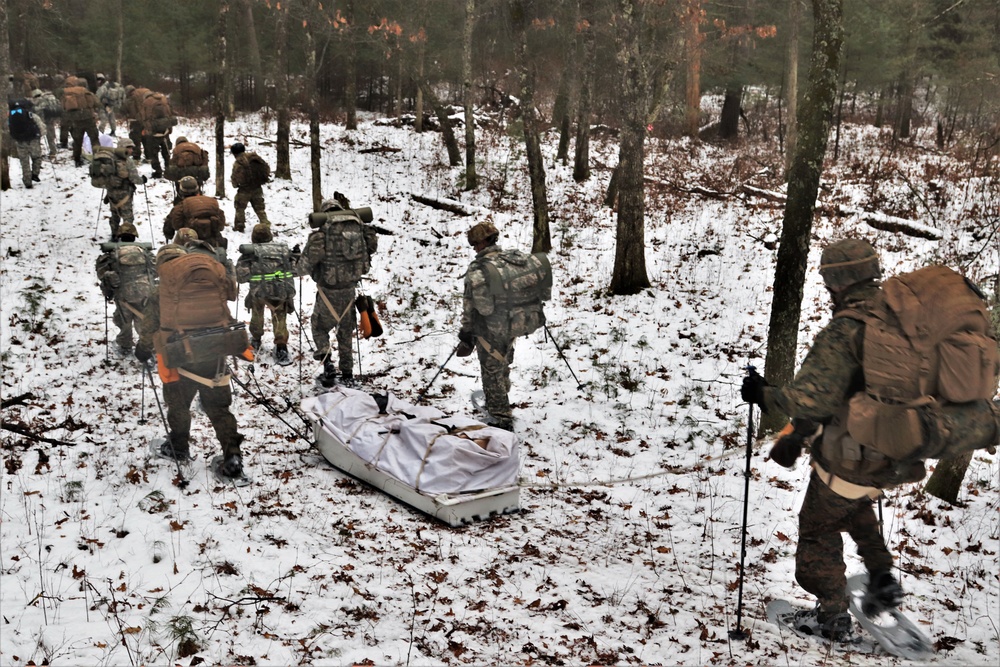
(80, 116)
(267, 267)
(125, 269)
(186, 159)
(188, 323)
(119, 180)
(337, 255)
(50, 109)
(250, 173)
(196, 211)
(854, 385)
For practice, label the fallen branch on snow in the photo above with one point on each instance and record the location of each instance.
(443, 204)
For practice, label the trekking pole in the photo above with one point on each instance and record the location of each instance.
(579, 385)
(142, 402)
(149, 215)
(100, 206)
(299, 317)
(357, 335)
(55, 174)
(107, 356)
(420, 396)
(181, 483)
(738, 633)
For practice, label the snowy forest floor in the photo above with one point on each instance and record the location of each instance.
(627, 548)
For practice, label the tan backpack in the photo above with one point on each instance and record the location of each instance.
(77, 98)
(202, 214)
(928, 341)
(189, 154)
(194, 291)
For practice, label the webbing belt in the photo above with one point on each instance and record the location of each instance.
(842, 487)
(492, 351)
(132, 308)
(277, 275)
(220, 381)
(329, 306)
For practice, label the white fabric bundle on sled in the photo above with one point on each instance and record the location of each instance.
(418, 445)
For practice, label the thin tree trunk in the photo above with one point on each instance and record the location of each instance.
(541, 237)
(468, 97)
(581, 157)
(447, 133)
(282, 168)
(398, 109)
(223, 88)
(840, 109)
(561, 112)
(792, 80)
(946, 480)
(254, 53)
(351, 70)
(120, 41)
(692, 88)
(5, 66)
(629, 276)
(418, 123)
(312, 73)
(729, 122)
(814, 119)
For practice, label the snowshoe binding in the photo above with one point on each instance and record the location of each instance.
(163, 449)
(896, 633)
(229, 470)
(837, 631)
(281, 355)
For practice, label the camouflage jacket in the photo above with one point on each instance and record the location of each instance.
(313, 261)
(477, 303)
(241, 176)
(134, 177)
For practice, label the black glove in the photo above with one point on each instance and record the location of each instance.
(786, 450)
(752, 390)
(297, 250)
(144, 180)
(467, 337)
(143, 354)
(464, 349)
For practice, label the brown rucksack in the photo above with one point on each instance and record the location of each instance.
(77, 98)
(188, 154)
(202, 214)
(928, 341)
(157, 116)
(194, 290)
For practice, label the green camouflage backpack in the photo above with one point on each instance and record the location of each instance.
(346, 257)
(106, 170)
(134, 265)
(268, 269)
(519, 285)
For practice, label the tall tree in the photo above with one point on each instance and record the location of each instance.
(5, 66)
(348, 32)
(541, 236)
(223, 102)
(585, 28)
(814, 119)
(792, 80)
(312, 104)
(692, 51)
(645, 70)
(282, 168)
(468, 97)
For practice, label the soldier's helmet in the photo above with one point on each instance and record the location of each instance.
(237, 148)
(169, 252)
(848, 262)
(188, 185)
(100, 77)
(37, 93)
(181, 140)
(128, 228)
(185, 236)
(261, 233)
(482, 231)
(129, 89)
(125, 142)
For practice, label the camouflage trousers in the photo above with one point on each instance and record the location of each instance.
(30, 155)
(215, 401)
(76, 130)
(345, 321)
(155, 147)
(254, 197)
(495, 369)
(135, 134)
(120, 203)
(279, 318)
(50, 136)
(126, 319)
(819, 559)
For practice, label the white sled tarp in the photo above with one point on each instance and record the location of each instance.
(453, 467)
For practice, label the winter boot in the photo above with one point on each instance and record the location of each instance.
(232, 466)
(883, 592)
(255, 343)
(328, 377)
(281, 355)
(347, 380)
(177, 452)
(836, 627)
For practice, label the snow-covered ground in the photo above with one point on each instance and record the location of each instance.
(627, 550)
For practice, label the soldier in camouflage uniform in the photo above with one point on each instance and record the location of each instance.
(50, 109)
(179, 390)
(119, 197)
(334, 307)
(29, 144)
(129, 292)
(493, 344)
(247, 192)
(843, 486)
(111, 95)
(268, 291)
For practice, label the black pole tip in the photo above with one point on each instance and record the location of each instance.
(739, 634)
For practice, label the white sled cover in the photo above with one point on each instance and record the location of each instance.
(419, 446)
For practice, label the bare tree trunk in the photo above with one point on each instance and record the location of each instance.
(814, 119)
(468, 97)
(729, 122)
(629, 276)
(5, 66)
(692, 88)
(792, 80)
(447, 133)
(581, 158)
(398, 109)
(120, 41)
(946, 480)
(254, 53)
(561, 112)
(418, 112)
(351, 70)
(541, 237)
(312, 72)
(282, 168)
(223, 89)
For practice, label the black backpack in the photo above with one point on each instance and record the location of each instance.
(22, 125)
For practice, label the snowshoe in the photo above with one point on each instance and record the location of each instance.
(896, 633)
(281, 355)
(161, 448)
(229, 470)
(479, 405)
(805, 623)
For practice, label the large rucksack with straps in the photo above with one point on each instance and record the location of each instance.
(196, 325)
(78, 98)
(258, 171)
(107, 170)
(928, 342)
(202, 214)
(49, 106)
(187, 159)
(519, 284)
(157, 116)
(134, 265)
(268, 269)
(22, 125)
(346, 257)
